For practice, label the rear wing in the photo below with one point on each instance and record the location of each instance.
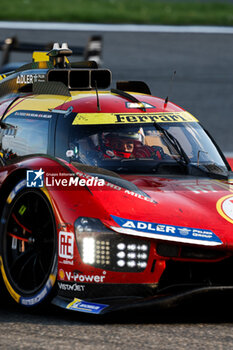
(91, 52)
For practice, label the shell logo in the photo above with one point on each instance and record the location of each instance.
(225, 207)
(61, 274)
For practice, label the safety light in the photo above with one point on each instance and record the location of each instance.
(88, 250)
(121, 263)
(101, 247)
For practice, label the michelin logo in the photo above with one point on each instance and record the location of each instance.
(85, 306)
(35, 178)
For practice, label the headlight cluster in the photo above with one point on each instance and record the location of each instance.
(101, 247)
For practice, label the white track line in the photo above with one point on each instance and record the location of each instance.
(115, 27)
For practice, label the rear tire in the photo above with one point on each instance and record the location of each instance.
(28, 246)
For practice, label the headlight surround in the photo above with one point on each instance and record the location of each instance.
(102, 248)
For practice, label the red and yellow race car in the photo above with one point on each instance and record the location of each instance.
(109, 199)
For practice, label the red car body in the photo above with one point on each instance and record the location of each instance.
(138, 238)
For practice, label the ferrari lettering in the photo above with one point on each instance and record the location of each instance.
(121, 118)
(133, 118)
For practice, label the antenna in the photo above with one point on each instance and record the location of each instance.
(170, 90)
(97, 97)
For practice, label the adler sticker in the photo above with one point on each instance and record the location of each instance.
(225, 207)
(132, 118)
(166, 232)
(30, 78)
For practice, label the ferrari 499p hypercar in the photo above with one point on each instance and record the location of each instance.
(109, 199)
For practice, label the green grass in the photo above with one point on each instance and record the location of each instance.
(119, 11)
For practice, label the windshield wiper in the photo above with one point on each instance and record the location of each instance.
(175, 143)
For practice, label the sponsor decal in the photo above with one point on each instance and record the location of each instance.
(66, 245)
(86, 306)
(166, 232)
(74, 287)
(30, 78)
(225, 207)
(139, 196)
(132, 118)
(33, 114)
(66, 262)
(184, 231)
(35, 178)
(13, 193)
(79, 277)
(61, 274)
(29, 301)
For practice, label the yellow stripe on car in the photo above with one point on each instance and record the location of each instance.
(133, 118)
(42, 103)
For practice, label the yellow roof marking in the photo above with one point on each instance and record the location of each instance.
(41, 103)
(132, 118)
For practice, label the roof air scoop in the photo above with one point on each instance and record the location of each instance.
(81, 79)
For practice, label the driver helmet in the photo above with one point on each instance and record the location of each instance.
(120, 144)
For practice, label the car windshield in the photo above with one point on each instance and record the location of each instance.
(145, 148)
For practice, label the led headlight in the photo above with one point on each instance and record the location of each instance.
(101, 247)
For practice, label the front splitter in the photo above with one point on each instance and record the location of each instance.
(109, 304)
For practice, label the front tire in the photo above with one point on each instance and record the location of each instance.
(28, 246)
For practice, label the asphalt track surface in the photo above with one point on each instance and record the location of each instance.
(204, 86)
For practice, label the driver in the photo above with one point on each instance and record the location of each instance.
(120, 145)
(127, 144)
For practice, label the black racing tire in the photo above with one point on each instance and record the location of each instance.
(28, 243)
